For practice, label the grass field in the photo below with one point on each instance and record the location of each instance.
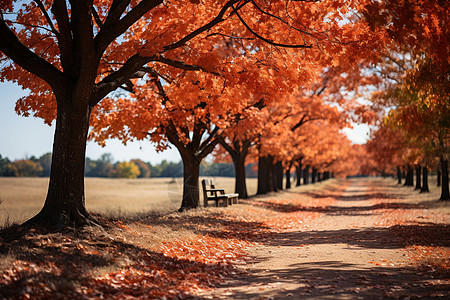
(24, 197)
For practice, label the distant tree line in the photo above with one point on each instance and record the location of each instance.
(107, 168)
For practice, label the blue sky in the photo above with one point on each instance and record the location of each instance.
(22, 137)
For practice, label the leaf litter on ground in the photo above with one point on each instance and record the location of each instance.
(181, 255)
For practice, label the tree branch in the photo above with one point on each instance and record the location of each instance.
(59, 10)
(97, 19)
(302, 121)
(212, 23)
(211, 135)
(27, 59)
(179, 64)
(116, 10)
(118, 78)
(114, 26)
(265, 39)
(47, 17)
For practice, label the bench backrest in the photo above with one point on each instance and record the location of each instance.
(206, 184)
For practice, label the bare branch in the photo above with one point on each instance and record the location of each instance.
(97, 19)
(206, 142)
(47, 17)
(229, 36)
(218, 19)
(280, 19)
(265, 39)
(177, 64)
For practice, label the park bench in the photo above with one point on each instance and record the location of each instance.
(211, 193)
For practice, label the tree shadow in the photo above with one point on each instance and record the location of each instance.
(336, 280)
(215, 225)
(73, 266)
(394, 237)
(338, 210)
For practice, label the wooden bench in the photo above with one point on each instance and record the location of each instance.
(210, 193)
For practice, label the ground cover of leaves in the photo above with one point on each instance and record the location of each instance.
(340, 239)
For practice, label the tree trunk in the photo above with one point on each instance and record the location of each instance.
(439, 176)
(409, 180)
(418, 179)
(319, 177)
(306, 175)
(65, 202)
(191, 172)
(298, 172)
(445, 195)
(425, 188)
(313, 175)
(399, 175)
(288, 176)
(273, 175)
(279, 175)
(240, 185)
(264, 184)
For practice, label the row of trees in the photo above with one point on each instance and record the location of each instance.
(106, 167)
(414, 97)
(271, 82)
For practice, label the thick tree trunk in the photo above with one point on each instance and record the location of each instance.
(445, 195)
(306, 175)
(191, 172)
(399, 175)
(313, 175)
(240, 185)
(298, 172)
(424, 188)
(65, 202)
(418, 177)
(409, 181)
(264, 170)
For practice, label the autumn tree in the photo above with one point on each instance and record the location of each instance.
(419, 96)
(73, 54)
(126, 170)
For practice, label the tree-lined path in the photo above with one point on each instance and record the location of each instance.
(374, 240)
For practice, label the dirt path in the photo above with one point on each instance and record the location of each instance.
(355, 250)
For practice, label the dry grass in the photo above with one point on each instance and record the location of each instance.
(24, 197)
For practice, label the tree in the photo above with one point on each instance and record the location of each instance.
(4, 166)
(144, 170)
(78, 52)
(46, 161)
(25, 168)
(103, 167)
(421, 97)
(126, 170)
